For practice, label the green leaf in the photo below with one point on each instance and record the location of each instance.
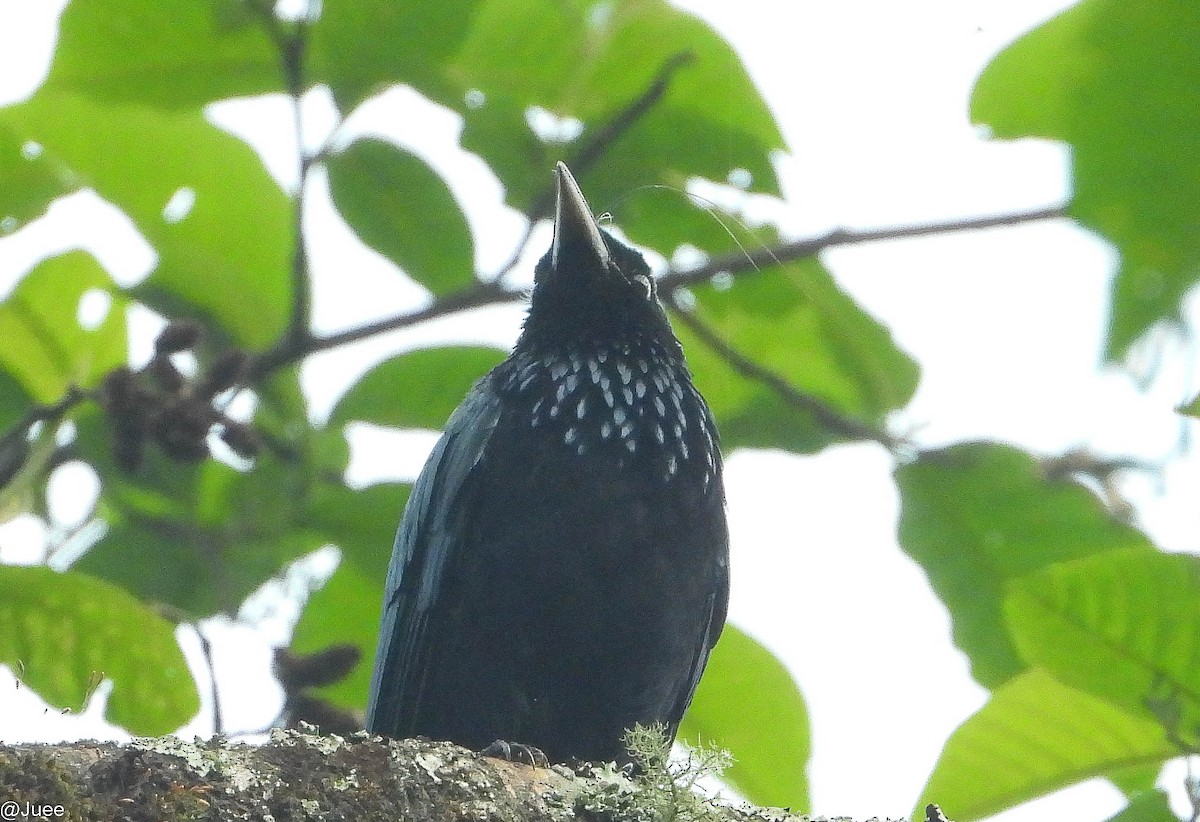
(748, 703)
(1124, 625)
(361, 46)
(1151, 806)
(62, 632)
(162, 53)
(362, 524)
(31, 181)
(45, 348)
(795, 322)
(229, 257)
(400, 207)
(197, 537)
(1192, 409)
(1117, 81)
(978, 515)
(418, 389)
(1036, 735)
(591, 61)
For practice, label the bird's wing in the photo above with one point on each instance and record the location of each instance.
(718, 607)
(425, 544)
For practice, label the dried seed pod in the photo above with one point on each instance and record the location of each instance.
(242, 439)
(324, 667)
(179, 335)
(182, 429)
(166, 374)
(226, 371)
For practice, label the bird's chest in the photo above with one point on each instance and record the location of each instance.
(626, 418)
(600, 456)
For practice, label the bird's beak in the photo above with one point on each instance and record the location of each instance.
(574, 226)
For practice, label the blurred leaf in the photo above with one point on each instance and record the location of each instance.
(203, 539)
(45, 348)
(1123, 625)
(400, 207)
(57, 630)
(363, 525)
(979, 515)
(418, 389)
(25, 466)
(14, 399)
(228, 256)
(163, 53)
(590, 61)
(1036, 735)
(361, 46)
(1151, 806)
(31, 181)
(796, 323)
(1117, 81)
(748, 704)
(1192, 409)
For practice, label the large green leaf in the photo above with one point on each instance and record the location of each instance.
(1123, 625)
(418, 389)
(1120, 82)
(362, 524)
(45, 348)
(1036, 735)
(62, 632)
(590, 61)
(164, 53)
(229, 257)
(361, 46)
(795, 322)
(979, 515)
(748, 704)
(197, 537)
(400, 207)
(1150, 806)
(31, 181)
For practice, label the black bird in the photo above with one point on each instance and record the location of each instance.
(561, 570)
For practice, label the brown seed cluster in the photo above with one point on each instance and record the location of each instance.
(159, 404)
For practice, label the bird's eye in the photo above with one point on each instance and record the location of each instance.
(644, 282)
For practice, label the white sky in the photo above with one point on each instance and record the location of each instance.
(1006, 324)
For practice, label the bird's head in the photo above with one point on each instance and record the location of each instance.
(590, 286)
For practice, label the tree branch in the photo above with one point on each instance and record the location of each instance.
(595, 146)
(305, 775)
(740, 261)
(828, 416)
(493, 293)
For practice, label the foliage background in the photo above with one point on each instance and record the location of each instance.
(1053, 599)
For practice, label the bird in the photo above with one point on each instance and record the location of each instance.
(560, 572)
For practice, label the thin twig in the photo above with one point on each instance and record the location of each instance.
(602, 140)
(475, 296)
(740, 261)
(46, 413)
(829, 417)
(206, 649)
(595, 146)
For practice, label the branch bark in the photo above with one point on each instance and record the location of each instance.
(299, 775)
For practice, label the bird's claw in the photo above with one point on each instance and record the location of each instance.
(516, 752)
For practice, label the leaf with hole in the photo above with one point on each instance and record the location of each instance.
(46, 349)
